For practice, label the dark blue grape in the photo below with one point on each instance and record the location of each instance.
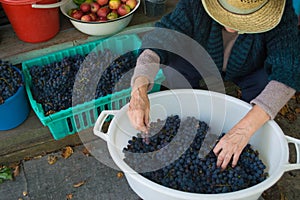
(10, 81)
(53, 85)
(188, 172)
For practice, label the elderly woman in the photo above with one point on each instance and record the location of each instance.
(254, 43)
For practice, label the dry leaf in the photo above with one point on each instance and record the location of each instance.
(16, 171)
(25, 194)
(14, 165)
(52, 159)
(291, 117)
(69, 196)
(284, 110)
(38, 157)
(86, 152)
(239, 93)
(79, 184)
(67, 152)
(297, 110)
(282, 196)
(120, 175)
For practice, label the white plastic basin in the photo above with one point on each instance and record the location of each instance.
(218, 110)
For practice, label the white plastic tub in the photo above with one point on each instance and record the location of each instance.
(218, 110)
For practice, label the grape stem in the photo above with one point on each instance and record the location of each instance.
(9, 85)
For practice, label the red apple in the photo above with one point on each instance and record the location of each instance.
(86, 18)
(93, 16)
(76, 14)
(123, 10)
(114, 4)
(102, 19)
(103, 11)
(85, 7)
(112, 15)
(102, 2)
(94, 7)
(131, 3)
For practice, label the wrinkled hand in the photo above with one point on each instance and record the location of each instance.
(139, 109)
(231, 146)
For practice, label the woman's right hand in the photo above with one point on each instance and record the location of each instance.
(139, 106)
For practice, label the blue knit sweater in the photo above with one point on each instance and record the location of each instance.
(278, 50)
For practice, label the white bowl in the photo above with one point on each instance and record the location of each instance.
(217, 110)
(98, 28)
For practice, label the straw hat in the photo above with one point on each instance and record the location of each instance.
(246, 16)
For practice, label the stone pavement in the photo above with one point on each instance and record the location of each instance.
(79, 177)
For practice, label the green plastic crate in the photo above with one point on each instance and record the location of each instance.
(83, 116)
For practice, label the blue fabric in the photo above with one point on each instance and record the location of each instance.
(296, 4)
(277, 51)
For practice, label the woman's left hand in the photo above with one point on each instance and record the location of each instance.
(232, 144)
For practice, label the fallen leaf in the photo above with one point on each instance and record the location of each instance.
(52, 159)
(76, 185)
(86, 152)
(5, 174)
(25, 194)
(38, 157)
(14, 165)
(297, 110)
(120, 175)
(284, 110)
(69, 196)
(16, 171)
(239, 93)
(291, 117)
(282, 196)
(67, 152)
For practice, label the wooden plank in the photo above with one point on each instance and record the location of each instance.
(31, 138)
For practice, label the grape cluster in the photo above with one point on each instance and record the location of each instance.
(187, 171)
(10, 80)
(79, 78)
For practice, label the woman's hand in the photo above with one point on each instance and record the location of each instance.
(232, 144)
(139, 106)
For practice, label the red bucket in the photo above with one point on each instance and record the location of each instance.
(33, 20)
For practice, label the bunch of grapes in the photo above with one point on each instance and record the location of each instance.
(78, 79)
(186, 171)
(10, 81)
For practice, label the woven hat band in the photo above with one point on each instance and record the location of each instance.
(242, 6)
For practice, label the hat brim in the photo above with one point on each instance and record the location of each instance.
(265, 19)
